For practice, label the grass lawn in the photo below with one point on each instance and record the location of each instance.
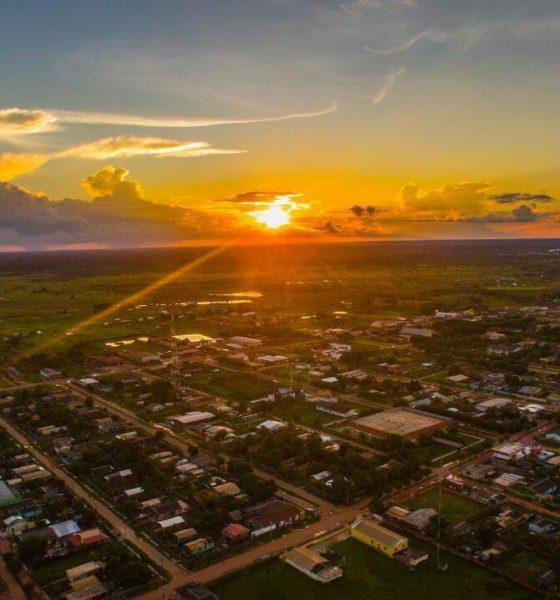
(55, 569)
(306, 414)
(369, 574)
(454, 507)
(230, 385)
(531, 565)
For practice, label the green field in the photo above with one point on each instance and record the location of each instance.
(371, 575)
(530, 564)
(231, 385)
(454, 507)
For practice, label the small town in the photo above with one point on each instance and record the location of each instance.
(159, 464)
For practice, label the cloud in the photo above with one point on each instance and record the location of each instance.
(358, 7)
(524, 214)
(19, 121)
(387, 85)
(110, 181)
(129, 146)
(360, 211)
(179, 123)
(13, 165)
(254, 198)
(468, 197)
(512, 197)
(30, 214)
(407, 43)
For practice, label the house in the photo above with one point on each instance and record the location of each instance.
(48, 373)
(270, 515)
(88, 537)
(185, 535)
(235, 532)
(171, 522)
(85, 570)
(195, 416)
(145, 357)
(412, 558)
(271, 425)
(312, 564)
(337, 410)
(553, 436)
(408, 332)
(542, 525)
(502, 350)
(199, 546)
(492, 404)
(228, 489)
(376, 536)
(511, 451)
(240, 341)
(65, 529)
(88, 588)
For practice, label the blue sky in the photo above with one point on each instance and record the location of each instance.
(432, 92)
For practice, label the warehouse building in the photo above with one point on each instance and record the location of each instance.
(376, 536)
(405, 423)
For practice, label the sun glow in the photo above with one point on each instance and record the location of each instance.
(278, 212)
(272, 217)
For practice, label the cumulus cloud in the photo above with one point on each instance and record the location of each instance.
(129, 146)
(13, 165)
(19, 121)
(466, 198)
(512, 197)
(110, 181)
(387, 85)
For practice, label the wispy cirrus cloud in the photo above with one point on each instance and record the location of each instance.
(96, 118)
(406, 44)
(130, 146)
(387, 85)
(15, 122)
(13, 165)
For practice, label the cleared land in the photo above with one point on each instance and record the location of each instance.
(454, 508)
(370, 574)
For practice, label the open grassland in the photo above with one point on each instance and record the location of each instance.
(455, 508)
(370, 574)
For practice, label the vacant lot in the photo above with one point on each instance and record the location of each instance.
(370, 574)
(231, 385)
(454, 507)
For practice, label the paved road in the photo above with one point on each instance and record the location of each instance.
(14, 591)
(262, 552)
(101, 508)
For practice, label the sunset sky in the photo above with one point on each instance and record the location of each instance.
(175, 122)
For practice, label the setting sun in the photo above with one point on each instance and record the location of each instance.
(273, 217)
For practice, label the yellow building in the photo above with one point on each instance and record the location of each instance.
(378, 537)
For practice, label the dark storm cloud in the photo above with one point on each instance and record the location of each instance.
(28, 214)
(511, 197)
